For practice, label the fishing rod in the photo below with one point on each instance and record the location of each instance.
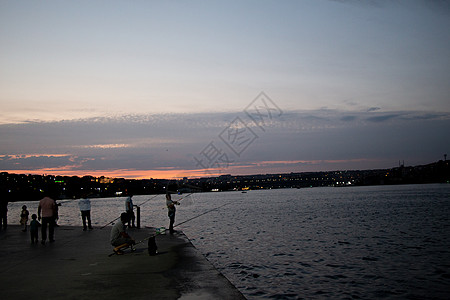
(208, 211)
(182, 197)
(152, 238)
(110, 222)
(188, 220)
(177, 202)
(148, 200)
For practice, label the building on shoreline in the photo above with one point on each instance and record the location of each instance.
(22, 187)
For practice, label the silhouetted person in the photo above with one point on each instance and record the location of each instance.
(171, 211)
(48, 208)
(129, 209)
(34, 229)
(3, 213)
(24, 218)
(85, 209)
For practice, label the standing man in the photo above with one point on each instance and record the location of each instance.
(47, 206)
(85, 209)
(171, 211)
(3, 212)
(129, 209)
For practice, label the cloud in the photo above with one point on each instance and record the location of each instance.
(37, 161)
(425, 116)
(382, 118)
(441, 6)
(168, 144)
(107, 146)
(371, 3)
(348, 118)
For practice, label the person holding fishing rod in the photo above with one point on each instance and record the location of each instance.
(119, 236)
(171, 210)
(129, 206)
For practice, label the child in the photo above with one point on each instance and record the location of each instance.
(24, 218)
(34, 229)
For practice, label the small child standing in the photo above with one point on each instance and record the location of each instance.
(24, 218)
(34, 229)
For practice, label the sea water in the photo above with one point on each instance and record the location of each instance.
(373, 242)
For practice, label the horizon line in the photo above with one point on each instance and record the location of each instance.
(177, 174)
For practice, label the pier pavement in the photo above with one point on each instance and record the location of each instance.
(78, 266)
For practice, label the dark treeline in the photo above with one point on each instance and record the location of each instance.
(21, 187)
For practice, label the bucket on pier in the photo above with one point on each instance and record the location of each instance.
(161, 230)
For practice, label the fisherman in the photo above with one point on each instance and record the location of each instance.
(85, 208)
(129, 209)
(171, 210)
(119, 236)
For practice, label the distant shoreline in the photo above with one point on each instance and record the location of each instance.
(16, 187)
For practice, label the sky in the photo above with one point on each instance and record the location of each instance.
(170, 89)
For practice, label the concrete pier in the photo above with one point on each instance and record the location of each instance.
(78, 266)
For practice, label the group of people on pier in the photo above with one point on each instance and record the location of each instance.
(121, 239)
(47, 215)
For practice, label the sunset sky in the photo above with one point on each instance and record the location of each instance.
(163, 89)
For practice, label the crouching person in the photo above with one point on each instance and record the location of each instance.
(119, 237)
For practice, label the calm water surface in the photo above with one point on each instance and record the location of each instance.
(355, 242)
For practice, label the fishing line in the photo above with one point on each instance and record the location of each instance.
(110, 222)
(188, 220)
(208, 211)
(152, 237)
(189, 203)
(184, 197)
(189, 200)
(148, 200)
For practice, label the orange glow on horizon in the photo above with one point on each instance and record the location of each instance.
(127, 174)
(262, 167)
